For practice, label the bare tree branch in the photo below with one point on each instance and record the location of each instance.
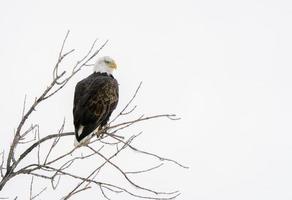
(56, 140)
(38, 194)
(52, 169)
(145, 170)
(31, 196)
(152, 154)
(2, 162)
(24, 105)
(30, 190)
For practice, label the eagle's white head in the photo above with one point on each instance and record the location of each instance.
(105, 65)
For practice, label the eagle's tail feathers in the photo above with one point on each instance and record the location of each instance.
(84, 130)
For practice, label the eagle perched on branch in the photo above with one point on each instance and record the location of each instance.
(95, 99)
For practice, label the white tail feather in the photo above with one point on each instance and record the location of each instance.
(85, 140)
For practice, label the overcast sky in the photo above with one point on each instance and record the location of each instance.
(223, 66)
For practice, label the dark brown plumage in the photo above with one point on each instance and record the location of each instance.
(94, 101)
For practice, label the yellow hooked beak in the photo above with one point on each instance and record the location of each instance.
(113, 65)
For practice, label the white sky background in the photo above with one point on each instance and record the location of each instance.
(223, 66)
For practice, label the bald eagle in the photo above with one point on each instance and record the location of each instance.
(95, 99)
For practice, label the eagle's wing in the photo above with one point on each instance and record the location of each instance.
(80, 89)
(93, 109)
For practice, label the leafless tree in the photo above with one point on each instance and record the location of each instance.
(53, 169)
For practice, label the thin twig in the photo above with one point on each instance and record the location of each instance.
(125, 175)
(77, 191)
(39, 146)
(169, 116)
(145, 170)
(103, 193)
(2, 163)
(30, 188)
(128, 104)
(24, 105)
(38, 194)
(55, 141)
(151, 154)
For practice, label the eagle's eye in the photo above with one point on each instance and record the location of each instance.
(107, 62)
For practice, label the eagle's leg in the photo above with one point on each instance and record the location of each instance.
(100, 132)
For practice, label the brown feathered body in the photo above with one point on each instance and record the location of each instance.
(95, 99)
